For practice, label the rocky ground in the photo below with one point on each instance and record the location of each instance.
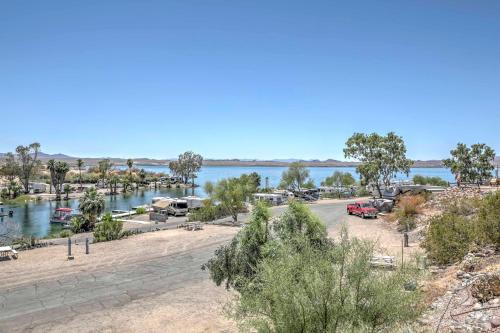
(470, 295)
(464, 297)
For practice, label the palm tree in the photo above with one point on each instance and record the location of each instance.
(59, 170)
(79, 164)
(113, 183)
(91, 206)
(67, 189)
(104, 167)
(126, 182)
(130, 163)
(51, 168)
(142, 176)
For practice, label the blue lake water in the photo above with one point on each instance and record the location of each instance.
(32, 218)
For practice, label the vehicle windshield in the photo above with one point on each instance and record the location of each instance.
(365, 205)
(182, 205)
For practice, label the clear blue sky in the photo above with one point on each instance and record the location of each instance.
(247, 79)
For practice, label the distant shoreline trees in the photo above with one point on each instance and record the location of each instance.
(187, 166)
(296, 177)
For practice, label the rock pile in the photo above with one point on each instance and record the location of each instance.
(453, 194)
(472, 303)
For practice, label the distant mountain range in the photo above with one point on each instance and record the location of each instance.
(229, 162)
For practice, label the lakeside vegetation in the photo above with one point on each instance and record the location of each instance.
(291, 277)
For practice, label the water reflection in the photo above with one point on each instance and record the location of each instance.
(34, 217)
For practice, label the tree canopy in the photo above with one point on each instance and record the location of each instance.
(58, 171)
(232, 193)
(9, 168)
(91, 206)
(339, 178)
(28, 163)
(186, 166)
(296, 177)
(471, 164)
(381, 157)
(236, 263)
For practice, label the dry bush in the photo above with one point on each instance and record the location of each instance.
(486, 287)
(410, 205)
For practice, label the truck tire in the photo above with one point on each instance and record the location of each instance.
(349, 212)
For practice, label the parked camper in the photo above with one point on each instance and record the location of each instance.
(161, 216)
(286, 195)
(307, 194)
(193, 202)
(341, 191)
(272, 198)
(176, 207)
(156, 199)
(38, 187)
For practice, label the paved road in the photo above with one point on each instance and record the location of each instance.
(52, 301)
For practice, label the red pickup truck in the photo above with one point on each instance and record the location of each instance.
(363, 209)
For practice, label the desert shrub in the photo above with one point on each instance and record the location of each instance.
(131, 232)
(410, 205)
(488, 220)
(140, 210)
(449, 237)
(327, 289)
(109, 229)
(26, 242)
(486, 287)
(407, 208)
(423, 180)
(463, 206)
(78, 225)
(208, 212)
(65, 234)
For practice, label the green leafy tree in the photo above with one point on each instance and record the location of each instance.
(186, 166)
(28, 163)
(91, 206)
(381, 157)
(9, 168)
(58, 171)
(13, 189)
(80, 164)
(471, 165)
(67, 191)
(113, 183)
(236, 263)
(295, 177)
(339, 178)
(231, 193)
(130, 164)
